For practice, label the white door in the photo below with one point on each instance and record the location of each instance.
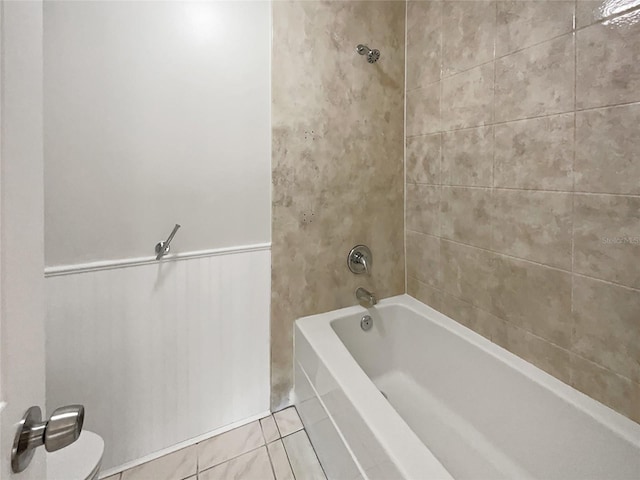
(22, 381)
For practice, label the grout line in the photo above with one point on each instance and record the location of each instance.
(574, 30)
(315, 453)
(404, 146)
(438, 289)
(495, 36)
(526, 260)
(229, 459)
(198, 461)
(534, 117)
(441, 39)
(493, 130)
(493, 135)
(264, 437)
(495, 58)
(273, 470)
(284, 447)
(493, 161)
(312, 448)
(277, 427)
(292, 433)
(440, 215)
(572, 333)
(440, 120)
(608, 282)
(519, 189)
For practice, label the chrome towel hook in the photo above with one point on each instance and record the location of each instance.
(162, 248)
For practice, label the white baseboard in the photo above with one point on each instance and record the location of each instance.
(178, 446)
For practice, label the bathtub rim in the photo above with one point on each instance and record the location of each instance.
(385, 422)
(411, 457)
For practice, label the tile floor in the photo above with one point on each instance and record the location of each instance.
(274, 448)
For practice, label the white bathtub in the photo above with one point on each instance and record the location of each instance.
(458, 405)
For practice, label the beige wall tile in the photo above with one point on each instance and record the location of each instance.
(467, 157)
(608, 62)
(467, 98)
(466, 215)
(635, 402)
(588, 11)
(538, 351)
(591, 11)
(424, 43)
(423, 159)
(607, 238)
(607, 146)
(536, 81)
(481, 321)
(468, 273)
(605, 386)
(524, 23)
(533, 225)
(607, 330)
(423, 258)
(507, 134)
(425, 293)
(423, 110)
(423, 208)
(285, 82)
(535, 298)
(468, 33)
(535, 153)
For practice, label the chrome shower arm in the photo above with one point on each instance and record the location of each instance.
(372, 55)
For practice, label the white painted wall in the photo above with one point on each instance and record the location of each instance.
(156, 113)
(21, 227)
(161, 353)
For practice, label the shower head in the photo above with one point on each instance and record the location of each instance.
(372, 55)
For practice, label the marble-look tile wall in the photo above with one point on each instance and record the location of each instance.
(337, 161)
(523, 181)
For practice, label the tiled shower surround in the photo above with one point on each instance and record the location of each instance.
(523, 181)
(337, 161)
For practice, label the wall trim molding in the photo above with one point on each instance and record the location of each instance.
(134, 262)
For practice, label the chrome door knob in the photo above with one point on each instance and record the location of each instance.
(62, 429)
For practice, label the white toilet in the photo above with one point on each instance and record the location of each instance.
(79, 461)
